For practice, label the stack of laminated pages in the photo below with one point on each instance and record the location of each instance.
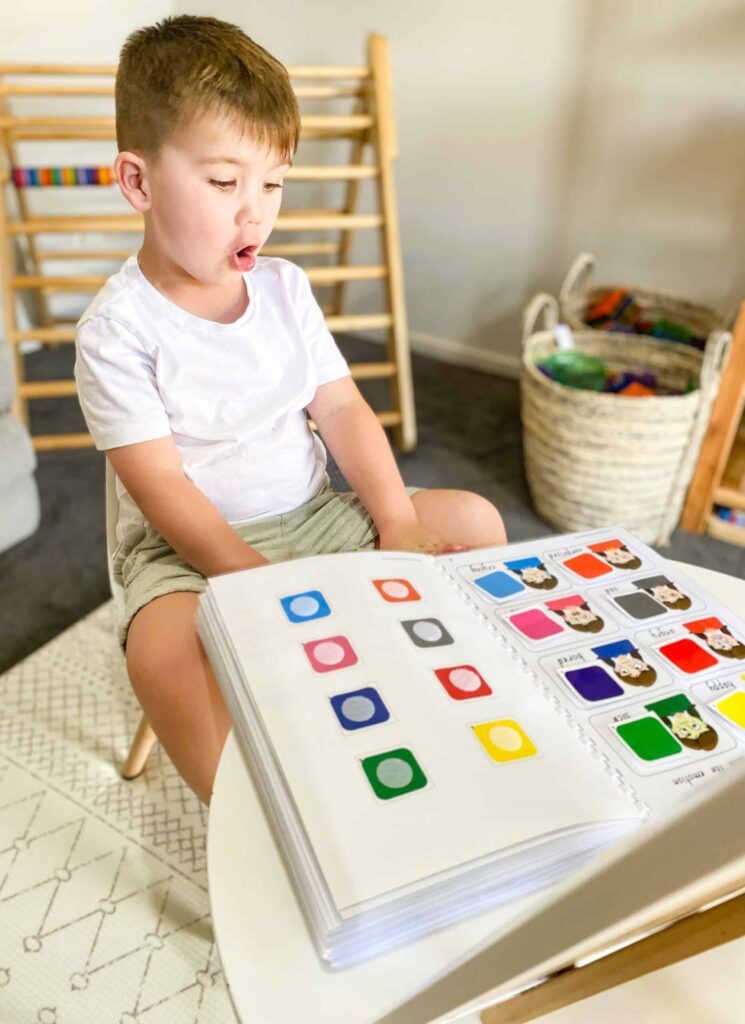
(431, 736)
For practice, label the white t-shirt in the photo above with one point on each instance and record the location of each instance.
(232, 395)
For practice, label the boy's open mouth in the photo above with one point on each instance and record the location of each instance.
(245, 259)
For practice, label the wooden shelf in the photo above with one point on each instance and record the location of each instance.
(721, 530)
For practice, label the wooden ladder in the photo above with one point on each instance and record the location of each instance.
(719, 477)
(369, 127)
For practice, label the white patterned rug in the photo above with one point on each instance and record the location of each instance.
(104, 915)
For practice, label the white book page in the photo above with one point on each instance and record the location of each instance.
(466, 797)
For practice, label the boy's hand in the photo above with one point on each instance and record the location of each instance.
(412, 536)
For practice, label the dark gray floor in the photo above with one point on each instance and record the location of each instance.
(469, 437)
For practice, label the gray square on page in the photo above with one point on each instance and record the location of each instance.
(427, 632)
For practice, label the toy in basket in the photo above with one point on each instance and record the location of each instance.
(633, 308)
(595, 458)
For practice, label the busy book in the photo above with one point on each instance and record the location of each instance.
(432, 736)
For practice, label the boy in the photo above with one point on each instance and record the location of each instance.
(196, 364)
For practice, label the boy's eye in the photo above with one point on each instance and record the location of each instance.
(221, 184)
(272, 186)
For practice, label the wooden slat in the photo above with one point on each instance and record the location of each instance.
(58, 69)
(301, 249)
(351, 322)
(319, 172)
(57, 442)
(720, 434)
(45, 334)
(80, 254)
(55, 89)
(309, 122)
(372, 371)
(359, 322)
(731, 497)
(46, 388)
(130, 223)
(79, 282)
(299, 71)
(92, 282)
(330, 275)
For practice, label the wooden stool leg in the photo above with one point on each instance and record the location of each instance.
(142, 744)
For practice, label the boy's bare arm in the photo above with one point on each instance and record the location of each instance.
(152, 473)
(354, 436)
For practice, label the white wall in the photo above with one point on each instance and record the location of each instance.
(528, 131)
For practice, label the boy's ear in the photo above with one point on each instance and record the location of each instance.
(132, 176)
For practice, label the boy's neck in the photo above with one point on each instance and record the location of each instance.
(221, 304)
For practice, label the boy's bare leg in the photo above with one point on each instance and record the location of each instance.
(176, 687)
(461, 516)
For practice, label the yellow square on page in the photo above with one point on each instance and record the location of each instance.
(504, 740)
(733, 707)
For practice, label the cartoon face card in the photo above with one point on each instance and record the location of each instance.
(699, 646)
(670, 732)
(651, 598)
(603, 560)
(557, 622)
(606, 672)
(512, 580)
(725, 697)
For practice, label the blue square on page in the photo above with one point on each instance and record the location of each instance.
(311, 604)
(499, 584)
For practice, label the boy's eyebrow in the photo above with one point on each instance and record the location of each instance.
(234, 160)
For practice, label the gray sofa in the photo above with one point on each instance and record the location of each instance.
(19, 495)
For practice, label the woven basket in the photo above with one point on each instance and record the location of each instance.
(575, 297)
(600, 459)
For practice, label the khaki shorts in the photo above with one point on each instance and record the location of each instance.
(148, 567)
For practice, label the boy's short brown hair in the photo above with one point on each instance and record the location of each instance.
(183, 67)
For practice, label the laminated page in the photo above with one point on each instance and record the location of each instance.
(647, 664)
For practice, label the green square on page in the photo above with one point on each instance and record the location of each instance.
(649, 739)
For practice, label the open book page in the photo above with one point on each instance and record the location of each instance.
(413, 741)
(650, 666)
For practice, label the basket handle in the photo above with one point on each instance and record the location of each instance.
(576, 277)
(716, 354)
(544, 305)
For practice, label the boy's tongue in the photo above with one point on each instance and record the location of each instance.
(244, 260)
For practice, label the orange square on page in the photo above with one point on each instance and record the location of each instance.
(587, 566)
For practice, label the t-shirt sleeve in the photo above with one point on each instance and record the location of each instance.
(116, 385)
(328, 361)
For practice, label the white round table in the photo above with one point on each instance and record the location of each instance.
(275, 976)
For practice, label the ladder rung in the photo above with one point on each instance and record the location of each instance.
(55, 89)
(359, 322)
(330, 275)
(44, 334)
(342, 71)
(372, 371)
(310, 122)
(389, 417)
(319, 172)
(78, 254)
(58, 69)
(328, 222)
(46, 388)
(125, 222)
(81, 282)
(133, 223)
(351, 322)
(302, 249)
(327, 92)
(53, 442)
(104, 70)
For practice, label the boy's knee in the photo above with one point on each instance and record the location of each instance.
(484, 517)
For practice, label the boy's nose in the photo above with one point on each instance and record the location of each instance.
(250, 212)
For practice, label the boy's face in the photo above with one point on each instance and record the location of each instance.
(212, 201)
